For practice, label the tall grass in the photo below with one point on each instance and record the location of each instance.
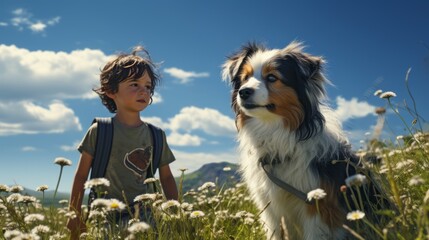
(215, 212)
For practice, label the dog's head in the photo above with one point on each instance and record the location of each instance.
(273, 84)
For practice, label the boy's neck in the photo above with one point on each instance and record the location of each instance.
(130, 120)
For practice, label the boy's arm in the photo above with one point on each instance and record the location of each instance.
(77, 225)
(168, 183)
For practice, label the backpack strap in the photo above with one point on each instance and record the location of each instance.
(103, 147)
(157, 149)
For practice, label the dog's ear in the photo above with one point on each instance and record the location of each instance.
(308, 68)
(309, 65)
(231, 69)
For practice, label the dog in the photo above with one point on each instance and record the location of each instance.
(287, 135)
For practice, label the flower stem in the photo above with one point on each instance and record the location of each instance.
(373, 228)
(58, 183)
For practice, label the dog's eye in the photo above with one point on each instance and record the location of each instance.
(271, 78)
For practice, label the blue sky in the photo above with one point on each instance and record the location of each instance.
(51, 53)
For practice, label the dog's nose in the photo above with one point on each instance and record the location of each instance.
(245, 93)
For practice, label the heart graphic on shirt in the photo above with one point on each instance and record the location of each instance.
(138, 160)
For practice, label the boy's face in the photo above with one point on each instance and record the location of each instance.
(133, 95)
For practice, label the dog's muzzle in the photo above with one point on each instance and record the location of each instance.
(245, 94)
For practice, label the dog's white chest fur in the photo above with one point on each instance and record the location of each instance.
(292, 165)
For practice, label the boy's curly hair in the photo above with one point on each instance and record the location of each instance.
(125, 67)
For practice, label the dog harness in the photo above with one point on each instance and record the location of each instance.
(287, 187)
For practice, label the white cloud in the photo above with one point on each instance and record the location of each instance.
(353, 109)
(4, 24)
(68, 148)
(193, 161)
(211, 121)
(48, 75)
(38, 27)
(28, 149)
(25, 117)
(177, 139)
(184, 76)
(191, 119)
(24, 20)
(53, 21)
(157, 98)
(156, 121)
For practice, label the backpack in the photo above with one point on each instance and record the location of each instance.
(103, 148)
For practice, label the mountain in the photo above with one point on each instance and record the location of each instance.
(222, 174)
(48, 198)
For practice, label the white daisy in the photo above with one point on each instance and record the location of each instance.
(95, 182)
(378, 92)
(62, 161)
(9, 234)
(27, 199)
(355, 215)
(116, 205)
(30, 218)
(356, 180)
(206, 186)
(100, 203)
(138, 227)
(16, 189)
(196, 214)
(145, 197)
(4, 188)
(316, 194)
(40, 229)
(388, 95)
(14, 197)
(169, 204)
(42, 188)
(150, 180)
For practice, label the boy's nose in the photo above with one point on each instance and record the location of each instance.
(145, 90)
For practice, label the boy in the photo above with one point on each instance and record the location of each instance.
(127, 86)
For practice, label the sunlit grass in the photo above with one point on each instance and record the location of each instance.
(211, 212)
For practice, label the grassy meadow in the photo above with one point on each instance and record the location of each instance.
(217, 212)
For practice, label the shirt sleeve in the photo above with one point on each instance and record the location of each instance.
(88, 142)
(167, 155)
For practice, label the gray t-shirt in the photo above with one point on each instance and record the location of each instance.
(130, 157)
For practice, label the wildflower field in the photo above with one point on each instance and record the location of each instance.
(217, 212)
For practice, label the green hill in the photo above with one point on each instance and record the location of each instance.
(222, 173)
(48, 199)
